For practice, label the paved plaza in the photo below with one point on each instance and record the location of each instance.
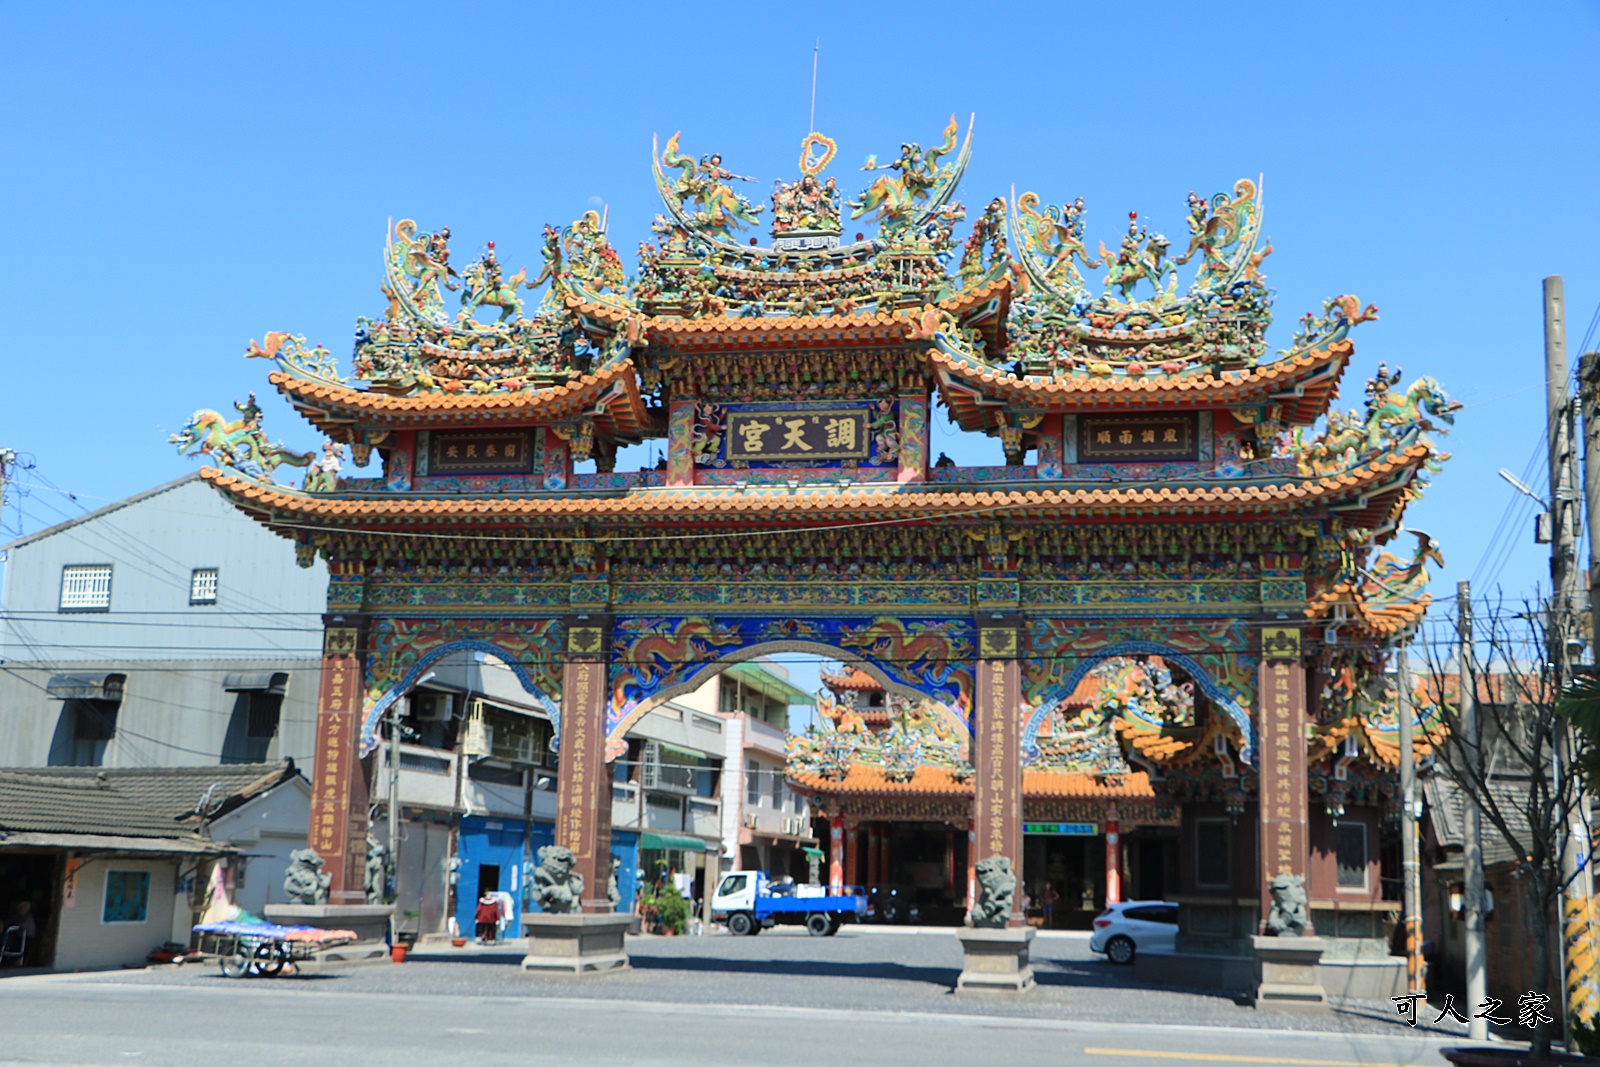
(863, 996)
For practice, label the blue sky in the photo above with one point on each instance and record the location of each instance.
(180, 179)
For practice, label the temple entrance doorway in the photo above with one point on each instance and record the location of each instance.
(1073, 867)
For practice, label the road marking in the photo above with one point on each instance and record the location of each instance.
(1224, 1057)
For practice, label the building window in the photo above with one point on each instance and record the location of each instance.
(1212, 858)
(127, 897)
(752, 783)
(261, 717)
(86, 587)
(203, 585)
(778, 790)
(94, 726)
(1350, 846)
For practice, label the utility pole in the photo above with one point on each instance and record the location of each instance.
(1411, 890)
(8, 458)
(1472, 852)
(1564, 505)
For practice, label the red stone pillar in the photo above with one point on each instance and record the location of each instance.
(583, 790)
(874, 855)
(1281, 762)
(1113, 862)
(950, 861)
(340, 779)
(997, 801)
(836, 852)
(883, 857)
(852, 852)
(972, 863)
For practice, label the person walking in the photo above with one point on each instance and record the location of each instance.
(487, 917)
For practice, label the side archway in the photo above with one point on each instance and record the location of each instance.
(1220, 696)
(402, 651)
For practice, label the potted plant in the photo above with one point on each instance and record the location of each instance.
(672, 911)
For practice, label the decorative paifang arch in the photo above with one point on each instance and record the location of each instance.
(654, 659)
(402, 650)
(1224, 698)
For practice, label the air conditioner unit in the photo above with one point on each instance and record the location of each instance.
(430, 706)
(750, 819)
(479, 740)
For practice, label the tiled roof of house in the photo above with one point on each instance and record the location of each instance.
(145, 802)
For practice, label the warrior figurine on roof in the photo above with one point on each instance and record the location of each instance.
(719, 209)
(896, 198)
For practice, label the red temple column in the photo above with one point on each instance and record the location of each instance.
(583, 796)
(874, 855)
(340, 778)
(997, 800)
(852, 852)
(836, 852)
(1281, 759)
(1113, 861)
(883, 857)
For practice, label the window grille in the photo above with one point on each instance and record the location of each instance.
(1213, 859)
(86, 587)
(1351, 855)
(752, 783)
(203, 585)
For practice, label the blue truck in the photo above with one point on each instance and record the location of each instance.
(749, 902)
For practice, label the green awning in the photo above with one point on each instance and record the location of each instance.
(683, 757)
(673, 843)
(766, 683)
(814, 853)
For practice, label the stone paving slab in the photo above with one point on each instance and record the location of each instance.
(857, 970)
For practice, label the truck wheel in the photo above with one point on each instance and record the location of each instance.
(740, 924)
(818, 924)
(833, 925)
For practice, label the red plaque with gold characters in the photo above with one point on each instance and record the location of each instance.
(1138, 438)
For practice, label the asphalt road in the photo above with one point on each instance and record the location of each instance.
(781, 998)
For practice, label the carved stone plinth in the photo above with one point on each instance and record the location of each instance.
(369, 922)
(995, 959)
(575, 944)
(1291, 973)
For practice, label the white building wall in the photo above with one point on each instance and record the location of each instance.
(84, 941)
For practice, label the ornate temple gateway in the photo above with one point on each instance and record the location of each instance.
(1156, 623)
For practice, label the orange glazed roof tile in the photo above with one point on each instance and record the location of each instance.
(1304, 401)
(937, 781)
(852, 678)
(318, 400)
(1375, 485)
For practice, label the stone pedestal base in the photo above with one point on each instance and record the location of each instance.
(575, 944)
(1290, 972)
(995, 959)
(370, 923)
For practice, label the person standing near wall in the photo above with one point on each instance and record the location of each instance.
(487, 917)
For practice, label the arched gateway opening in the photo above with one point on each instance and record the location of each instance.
(1131, 476)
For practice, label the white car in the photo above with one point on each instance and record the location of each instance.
(1126, 927)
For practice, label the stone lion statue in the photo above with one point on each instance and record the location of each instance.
(557, 888)
(1290, 914)
(306, 882)
(374, 880)
(997, 887)
(614, 891)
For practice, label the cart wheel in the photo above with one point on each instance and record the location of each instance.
(236, 965)
(269, 961)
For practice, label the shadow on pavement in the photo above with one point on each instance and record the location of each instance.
(893, 972)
